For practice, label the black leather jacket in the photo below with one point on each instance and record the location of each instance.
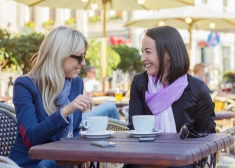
(194, 107)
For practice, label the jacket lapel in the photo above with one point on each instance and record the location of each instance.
(145, 88)
(178, 107)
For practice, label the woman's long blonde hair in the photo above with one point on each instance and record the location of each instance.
(47, 70)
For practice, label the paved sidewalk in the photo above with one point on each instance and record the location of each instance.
(226, 161)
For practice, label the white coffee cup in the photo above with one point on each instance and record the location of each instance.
(143, 123)
(97, 124)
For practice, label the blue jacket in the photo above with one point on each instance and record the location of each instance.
(34, 126)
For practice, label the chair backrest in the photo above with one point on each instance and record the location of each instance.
(8, 107)
(8, 129)
(117, 125)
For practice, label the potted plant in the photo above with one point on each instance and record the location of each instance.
(48, 24)
(71, 22)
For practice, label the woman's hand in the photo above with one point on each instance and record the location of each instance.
(81, 102)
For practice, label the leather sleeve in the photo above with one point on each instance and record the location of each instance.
(204, 113)
(136, 102)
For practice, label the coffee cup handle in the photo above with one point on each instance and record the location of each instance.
(85, 123)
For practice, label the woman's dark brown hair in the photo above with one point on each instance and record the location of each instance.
(169, 40)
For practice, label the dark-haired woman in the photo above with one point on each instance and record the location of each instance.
(165, 90)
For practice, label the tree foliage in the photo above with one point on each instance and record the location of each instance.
(25, 46)
(17, 50)
(130, 58)
(6, 59)
(93, 57)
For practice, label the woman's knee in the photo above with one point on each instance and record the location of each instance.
(110, 105)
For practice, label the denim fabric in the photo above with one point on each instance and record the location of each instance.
(105, 109)
(49, 164)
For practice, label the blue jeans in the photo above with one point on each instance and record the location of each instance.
(105, 109)
(49, 164)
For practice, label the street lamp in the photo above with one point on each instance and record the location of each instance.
(141, 2)
(161, 23)
(212, 25)
(94, 6)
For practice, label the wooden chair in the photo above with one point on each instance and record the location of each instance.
(7, 163)
(8, 129)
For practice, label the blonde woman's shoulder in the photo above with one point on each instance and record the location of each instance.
(24, 79)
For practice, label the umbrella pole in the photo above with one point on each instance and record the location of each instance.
(103, 53)
(190, 43)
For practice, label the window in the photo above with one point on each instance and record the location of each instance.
(204, 1)
(226, 51)
(115, 15)
(30, 18)
(72, 13)
(31, 14)
(72, 19)
(94, 16)
(225, 5)
(52, 14)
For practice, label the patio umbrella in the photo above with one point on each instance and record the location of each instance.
(108, 5)
(191, 17)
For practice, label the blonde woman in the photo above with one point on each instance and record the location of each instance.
(49, 100)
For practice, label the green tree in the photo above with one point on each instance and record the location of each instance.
(25, 47)
(6, 59)
(93, 58)
(130, 58)
(17, 51)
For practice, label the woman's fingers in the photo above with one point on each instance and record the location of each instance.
(88, 100)
(81, 102)
(88, 96)
(84, 101)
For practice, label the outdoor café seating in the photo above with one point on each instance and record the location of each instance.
(117, 125)
(7, 131)
(224, 101)
(7, 107)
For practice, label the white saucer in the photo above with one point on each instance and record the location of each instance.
(135, 134)
(105, 134)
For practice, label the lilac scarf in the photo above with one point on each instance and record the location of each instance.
(158, 100)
